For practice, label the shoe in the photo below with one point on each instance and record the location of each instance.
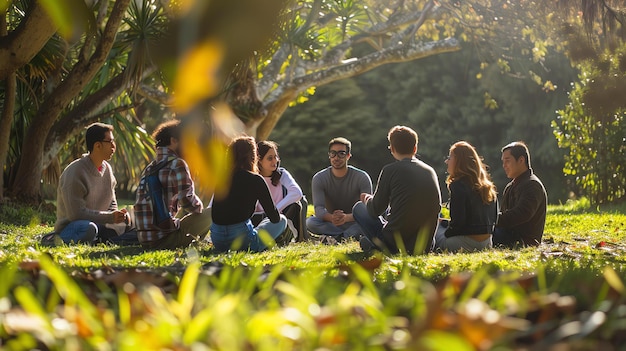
(329, 240)
(51, 240)
(291, 227)
(366, 245)
(287, 236)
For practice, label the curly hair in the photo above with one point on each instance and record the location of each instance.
(469, 165)
(165, 131)
(243, 152)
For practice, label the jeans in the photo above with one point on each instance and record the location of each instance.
(84, 231)
(318, 226)
(108, 235)
(80, 231)
(244, 236)
(372, 226)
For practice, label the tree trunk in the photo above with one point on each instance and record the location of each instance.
(6, 121)
(18, 48)
(6, 118)
(274, 112)
(27, 184)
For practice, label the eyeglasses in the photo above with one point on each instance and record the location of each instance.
(112, 141)
(333, 153)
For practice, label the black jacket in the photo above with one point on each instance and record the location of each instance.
(468, 214)
(524, 205)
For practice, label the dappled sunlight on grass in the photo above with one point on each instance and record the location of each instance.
(572, 240)
(314, 296)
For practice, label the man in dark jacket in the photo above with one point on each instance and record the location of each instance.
(524, 201)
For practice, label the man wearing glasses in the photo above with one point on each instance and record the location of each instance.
(86, 203)
(335, 190)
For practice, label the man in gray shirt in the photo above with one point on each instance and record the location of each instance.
(335, 190)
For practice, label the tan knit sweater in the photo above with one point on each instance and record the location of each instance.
(86, 193)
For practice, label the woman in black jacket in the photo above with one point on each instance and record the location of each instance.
(473, 202)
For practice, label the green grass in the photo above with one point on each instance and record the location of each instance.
(310, 296)
(576, 237)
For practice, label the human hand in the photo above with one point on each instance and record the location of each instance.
(120, 216)
(339, 218)
(365, 197)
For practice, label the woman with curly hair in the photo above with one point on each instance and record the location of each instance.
(232, 228)
(473, 202)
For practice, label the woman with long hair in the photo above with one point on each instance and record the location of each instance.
(473, 202)
(285, 191)
(232, 228)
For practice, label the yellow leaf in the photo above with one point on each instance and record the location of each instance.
(208, 161)
(196, 77)
(613, 279)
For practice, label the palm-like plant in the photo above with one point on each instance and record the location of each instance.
(111, 96)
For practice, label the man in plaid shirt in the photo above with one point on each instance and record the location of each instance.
(189, 218)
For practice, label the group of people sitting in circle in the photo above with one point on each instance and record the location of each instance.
(264, 205)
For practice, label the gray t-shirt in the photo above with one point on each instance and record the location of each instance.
(332, 193)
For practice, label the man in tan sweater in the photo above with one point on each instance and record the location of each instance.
(86, 200)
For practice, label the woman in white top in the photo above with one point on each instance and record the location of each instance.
(285, 192)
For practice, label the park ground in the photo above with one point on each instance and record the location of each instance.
(567, 294)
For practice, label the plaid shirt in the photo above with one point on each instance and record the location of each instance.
(178, 188)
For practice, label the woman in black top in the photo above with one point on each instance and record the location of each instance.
(232, 228)
(473, 202)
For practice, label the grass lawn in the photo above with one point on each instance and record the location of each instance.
(307, 296)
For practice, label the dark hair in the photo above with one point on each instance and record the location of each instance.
(165, 131)
(403, 139)
(262, 148)
(469, 165)
(95, 132)
(243, 152)
(342, 141)
(518, 149)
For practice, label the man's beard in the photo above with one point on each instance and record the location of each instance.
(342, 165)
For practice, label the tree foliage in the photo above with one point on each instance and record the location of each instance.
(126, 53)
(443, 99)
(68, 63)
(591, 127)
(594, 141)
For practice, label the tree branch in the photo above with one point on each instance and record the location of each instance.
(84, 113)
(277, 101)
(22, 44)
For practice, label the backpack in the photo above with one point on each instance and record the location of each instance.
(154, 191)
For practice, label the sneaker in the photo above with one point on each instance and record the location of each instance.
(285, 237)
(51, 240)
(291, 227)
(329, 240)
(366, 245)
